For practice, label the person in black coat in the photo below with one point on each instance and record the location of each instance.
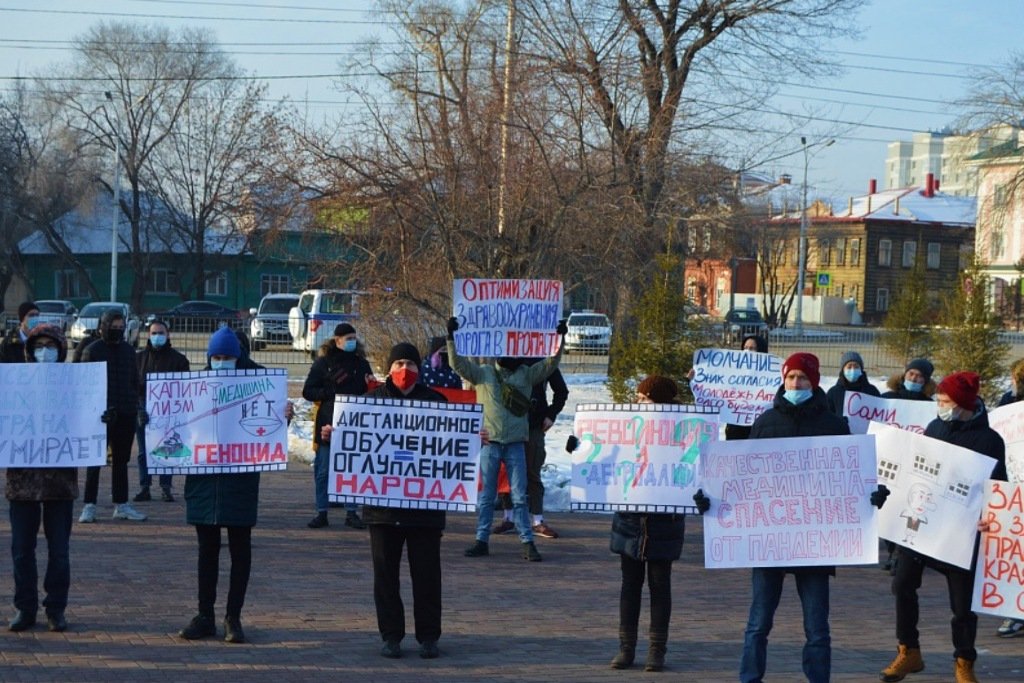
(752, 342)
(963, 421)
(851, 378)
(12, 347)
(341, 368)
(915, 384)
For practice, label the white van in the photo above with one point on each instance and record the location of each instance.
(319, 311)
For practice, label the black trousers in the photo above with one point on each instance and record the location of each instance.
(240, 548)
(659, 582)
(424, 549)
(905, 582)
(120, 436)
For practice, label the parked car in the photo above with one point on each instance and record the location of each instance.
(89, 320)
(269, 323)
(318, 312)
(57, 312)
(199, 316)
(742, 322)
(589, 332)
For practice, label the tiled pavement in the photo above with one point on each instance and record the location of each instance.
(310, 617)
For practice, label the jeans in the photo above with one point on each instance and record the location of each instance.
(514, 457)
(905, 582)
(424, 549)
(535, 457)
(56, 517)
(321, 470)
(659, 582)
(812, 587)
(120, 435)
(145, 479)
(240, 548)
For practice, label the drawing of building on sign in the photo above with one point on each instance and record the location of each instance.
(926, 467)
(888, 470)
(958, 489)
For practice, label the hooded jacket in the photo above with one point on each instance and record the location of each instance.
(334, 372)
(897, 390)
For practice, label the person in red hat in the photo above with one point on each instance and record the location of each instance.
(962, 420)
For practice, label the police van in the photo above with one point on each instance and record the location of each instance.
(319, 311)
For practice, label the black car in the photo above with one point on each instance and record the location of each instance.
(743, 322)
(199, 316)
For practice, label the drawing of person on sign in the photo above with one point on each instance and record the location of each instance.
(919, 501)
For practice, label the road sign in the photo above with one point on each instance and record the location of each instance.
(824, 279)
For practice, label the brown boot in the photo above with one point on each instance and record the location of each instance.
(908, 661)
(627, 650)
(965, 671)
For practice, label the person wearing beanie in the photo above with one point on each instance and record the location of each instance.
(963, 421)
(800, 409)
(647, 544)
(437, 371)
(158, 356)
(1011, 628)
(12, 348)
(47, 495)
(121, 416)
(504, 389)
(914, 384)
(851, 378)
(340, 368)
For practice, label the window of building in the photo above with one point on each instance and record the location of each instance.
(999, 195)
(824, 247)
(885, 253)
(855, 251)
(162, 281)
(909, 253)
(274, 283)
(840, 251)
(934, 255)
(68, 284)
(996, 243)
(216, 283)
(882, 299)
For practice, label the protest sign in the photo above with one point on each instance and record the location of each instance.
(507, 317)
(860, 409)
(215, 421)
(794, 502)
(1008, 421)
(50, 415)
(999, 580)
(937, 490)
(739, 384)
(405, 454)
(638, 458)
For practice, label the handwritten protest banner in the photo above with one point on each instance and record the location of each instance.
(507, 317)
(1008, 421)
(215, 421)
(937, 491)
(739, 384)
(999, 580)
(405, 454)
(860, 409)
(50, 415)
(638, 458)
(795, 502)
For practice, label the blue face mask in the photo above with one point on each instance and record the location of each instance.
(158, 340)
(222, 364)
(852, 374)
(31, 321)
(797, 396)
(349, 345)
(45, 355)
(915, 387)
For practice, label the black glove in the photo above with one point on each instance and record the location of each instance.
(453, 325)
(142, 418)
(109, 416)
(702, 501)
(572, 443)
(562, 328)
(879, 495)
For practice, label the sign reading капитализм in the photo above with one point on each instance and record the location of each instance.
(215, 421)
(516, 318)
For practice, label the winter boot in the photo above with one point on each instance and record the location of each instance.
(908, 661)
(656, 652)
(627, 650)
(965, 671)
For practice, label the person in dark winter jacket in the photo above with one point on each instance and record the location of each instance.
(851, 378)
(46, 495)
(158, 356)
(12, 348)
(963, 421)
(340, 368)
(120, 416)
(1011, 628)
(915, 384)
(418, 530)
(437, 372)
(648, 544)
(800, 409)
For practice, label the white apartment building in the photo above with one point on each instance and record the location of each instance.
(944, 155)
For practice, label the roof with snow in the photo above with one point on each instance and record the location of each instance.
(909, 204)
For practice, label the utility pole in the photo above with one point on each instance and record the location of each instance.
(117, 199)
(506, 113)
(802, 256)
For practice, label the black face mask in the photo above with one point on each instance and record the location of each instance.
(509, 363)
(113, 335)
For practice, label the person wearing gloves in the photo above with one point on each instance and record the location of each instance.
(120, 416)
(851, 378)
(46, 495)
(504, 389)
(915, 384)
(12, 348)
(963, 421)
(340, 368)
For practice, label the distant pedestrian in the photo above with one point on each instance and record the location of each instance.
(851, 378)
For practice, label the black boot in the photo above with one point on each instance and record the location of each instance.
(233, 632)
(656, 652)
(319, 521)
(627, 650)
(201, 626)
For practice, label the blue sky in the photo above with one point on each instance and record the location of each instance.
(938, 40)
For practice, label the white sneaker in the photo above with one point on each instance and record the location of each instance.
(126, 511)
(88, 513)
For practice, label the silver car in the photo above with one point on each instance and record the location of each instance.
(589, 332)
(270, 321)
(57, 312)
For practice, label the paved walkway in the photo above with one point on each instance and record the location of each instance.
(310, 615)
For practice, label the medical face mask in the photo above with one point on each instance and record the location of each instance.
(349, 345)
(852, 374)
(947, 414)
(158, 340)
(797, 396)
(45, 354)
(915, 387)
(223, 364)
(404, 378)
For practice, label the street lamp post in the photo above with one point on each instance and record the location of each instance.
(117, 201)
(802, 255)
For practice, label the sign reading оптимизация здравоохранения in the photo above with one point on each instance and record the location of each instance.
(513, 318)
(50, 415)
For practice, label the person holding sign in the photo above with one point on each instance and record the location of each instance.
(963, 421)
(753, 343)
(851, 378)
(1011, 628)
(800, 409)
(46, 495)
(504, 390)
